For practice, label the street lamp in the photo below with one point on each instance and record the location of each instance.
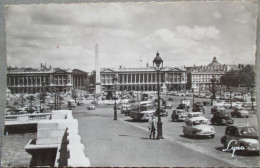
(213, 80)
(252, 96)
(43, 96)
(115, 112)
(158, 61)
(192, 96)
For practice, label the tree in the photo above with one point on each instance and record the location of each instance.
(230, 79)
(244, 77)
(247, 76)
(92, 78)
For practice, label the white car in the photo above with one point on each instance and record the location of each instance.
(198, 126)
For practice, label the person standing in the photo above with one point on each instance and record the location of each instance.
(152, 127)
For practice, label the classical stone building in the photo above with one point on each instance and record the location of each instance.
(79, 79)
(143, 79)
(32, 80)
(199, 77)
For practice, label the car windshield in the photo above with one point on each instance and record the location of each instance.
(199, 122)
(197, 115)
(179, 112)
(248, 131)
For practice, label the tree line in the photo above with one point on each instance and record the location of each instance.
(244, 77)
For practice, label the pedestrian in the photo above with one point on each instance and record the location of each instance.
(152, 127)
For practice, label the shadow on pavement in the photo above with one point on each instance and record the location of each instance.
(191, 137)
(146, 138)
(131, 120)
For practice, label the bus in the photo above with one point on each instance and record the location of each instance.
(142, 111)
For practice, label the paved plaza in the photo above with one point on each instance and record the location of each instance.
(125, 142)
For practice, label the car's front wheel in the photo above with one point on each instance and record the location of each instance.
(212, 136)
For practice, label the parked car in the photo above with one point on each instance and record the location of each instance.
(168, 105)
(202, 95)
(183, 107)
(198, 126)
(240, 112)
(71, 103)
(198, 108)
(31, 110)
(206, 103)
(91, 107)
(126, 109)
(185, 101)
(51, 103)
(179, 115)
(80, 104)
(221, 118)
(243, 136)
(215, 109)
(163, 112)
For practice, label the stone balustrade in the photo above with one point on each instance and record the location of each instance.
(26, 118)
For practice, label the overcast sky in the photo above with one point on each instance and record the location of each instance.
(184, 33)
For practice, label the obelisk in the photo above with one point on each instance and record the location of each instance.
(98, 84)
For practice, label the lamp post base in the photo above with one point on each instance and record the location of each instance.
(159, 130)
(115, 115)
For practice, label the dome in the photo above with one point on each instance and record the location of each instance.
(214, 62)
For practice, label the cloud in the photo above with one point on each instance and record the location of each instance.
(198, 33)
(183, 33)
(183, 44)
(217, 15)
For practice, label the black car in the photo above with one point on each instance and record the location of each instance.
(221, 118)
(183, 107)
(206, 103)
(163, 112)
(198, 108)
(216, 109)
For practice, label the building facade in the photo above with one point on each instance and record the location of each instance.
(199, 77)
(32, 80)
(143, 79)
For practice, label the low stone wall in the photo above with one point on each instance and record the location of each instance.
(61, 133)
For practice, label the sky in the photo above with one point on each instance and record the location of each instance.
(130, 34)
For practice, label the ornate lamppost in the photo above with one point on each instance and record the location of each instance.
(192, 96)
(213, 80)
(158, 61)
(42, 97)
(115, 112)
(252, 96)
